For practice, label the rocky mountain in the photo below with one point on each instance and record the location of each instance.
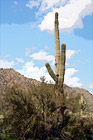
(9, 78)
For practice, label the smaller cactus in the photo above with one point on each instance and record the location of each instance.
(82, 103)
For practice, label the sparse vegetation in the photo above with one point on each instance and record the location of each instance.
(36, 114)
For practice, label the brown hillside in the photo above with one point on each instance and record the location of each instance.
(9, 78)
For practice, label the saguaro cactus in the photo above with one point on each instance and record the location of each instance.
(83, 106)
(58, 76)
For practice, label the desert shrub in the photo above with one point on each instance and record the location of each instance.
(73, 102)
(19, 112)
(33, 113)
(78, 128)
(36, 114)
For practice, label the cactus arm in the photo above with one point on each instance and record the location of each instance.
(50, 71)
(62, 64)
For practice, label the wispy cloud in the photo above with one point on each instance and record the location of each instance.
(20, 60)
(6, 64)
(32, 4)
(15, 4)
(90, 86)
(70, 54)
(4, 56)
(27, 51)
(45, 5)
(49, 4)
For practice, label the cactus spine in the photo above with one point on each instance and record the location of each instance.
(58, 76)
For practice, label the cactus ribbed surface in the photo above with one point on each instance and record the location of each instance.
(58, 76)
(62, 64)
(57, 45)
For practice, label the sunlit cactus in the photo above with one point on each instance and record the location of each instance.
(57, 45)
(58, 76)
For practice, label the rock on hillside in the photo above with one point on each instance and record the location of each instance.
(9, 78)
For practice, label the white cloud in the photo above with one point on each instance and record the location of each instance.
(20, 60)
(42, 56)
(32, 4)
(70, 80)
(70, 12)
(70, 15)
(70, 54)
(32, 71)
(6, 64)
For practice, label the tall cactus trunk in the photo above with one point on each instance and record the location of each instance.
(57, 46)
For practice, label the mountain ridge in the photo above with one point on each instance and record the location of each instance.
(10, 78)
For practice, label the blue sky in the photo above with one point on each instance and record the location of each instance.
(27, 38)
